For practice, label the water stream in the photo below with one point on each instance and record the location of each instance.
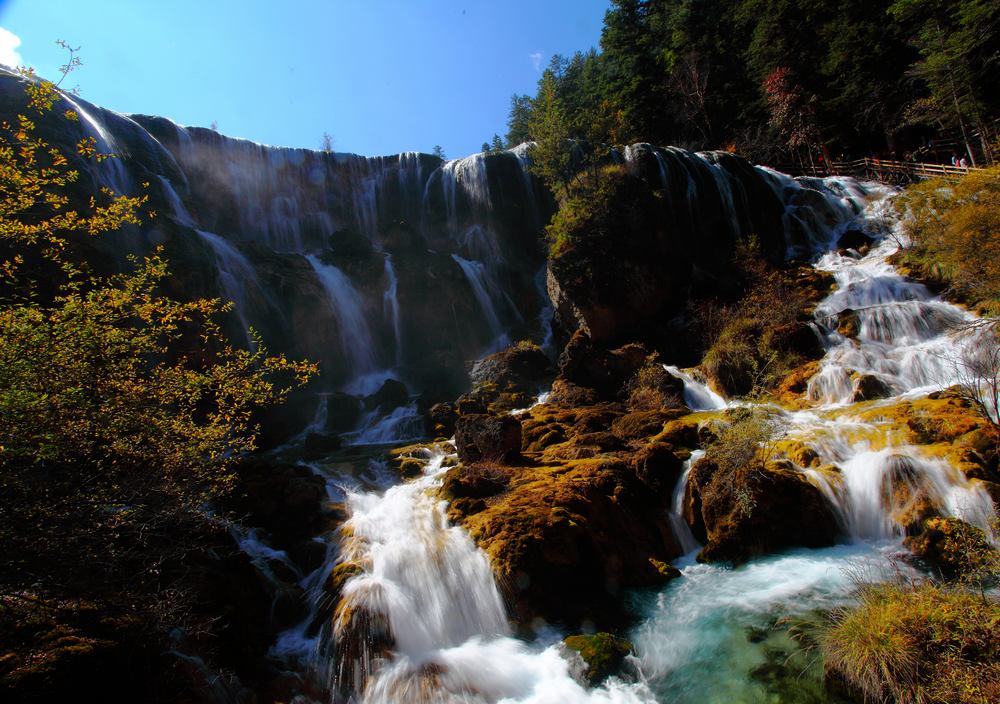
(731, 623)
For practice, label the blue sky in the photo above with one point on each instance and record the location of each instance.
(381, 76)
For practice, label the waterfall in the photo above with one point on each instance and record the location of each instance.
(697, 395)
(112, 170)
(682, 531)
(475, 273)
(347, 306)
(402, 425)
(904, 333)
(433, 592)
(235, 274)
(390, 306)
(471, 175)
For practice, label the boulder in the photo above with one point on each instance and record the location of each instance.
(848, 323)
(285, 500)
(481, 436)
(854, 239)
(659, 466)
(567, 540)
(441, 419)
(523, 367)
(586, 364)
(869, 387)
(952, 548)
(755, 511)
(392, 394)
(603, 653)
(318, 445)
(342, 412)
(469, 404)
(476, 480)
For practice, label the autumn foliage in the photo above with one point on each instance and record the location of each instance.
(122, 410)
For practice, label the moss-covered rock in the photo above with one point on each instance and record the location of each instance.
(512, 377)
(953, 548)
(567, 538)
(755, 511)
(481, 436)
(603, 653)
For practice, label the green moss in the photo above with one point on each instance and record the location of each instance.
(603, 653)
(667, 570)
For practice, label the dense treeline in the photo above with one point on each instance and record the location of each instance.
(783, 79)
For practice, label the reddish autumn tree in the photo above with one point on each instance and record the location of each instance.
(792, 111)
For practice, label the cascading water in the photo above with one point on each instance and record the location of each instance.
(347, 305)
(723, 620)
(442, 628)
(904, 334)
(235, 275)
(390, 307)
(680, 528)
(698, 396)
(476, 275)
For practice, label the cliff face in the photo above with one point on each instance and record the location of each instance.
(407, 266)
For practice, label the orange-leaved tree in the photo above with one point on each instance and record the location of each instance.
(122, 409)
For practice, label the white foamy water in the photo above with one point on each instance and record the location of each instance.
(436, 592)
(697, 395)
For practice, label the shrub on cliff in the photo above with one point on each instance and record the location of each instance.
(608, 252)
(954, 235)
(755, 342)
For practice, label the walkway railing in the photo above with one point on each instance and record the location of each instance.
(885, 170)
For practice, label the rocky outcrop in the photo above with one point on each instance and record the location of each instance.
(625, 261)
(953, 548)
(487, 437)
(567, 539)
(755, 511)
(603, 654)
(511, 378)
(869, 387)
(581, 516)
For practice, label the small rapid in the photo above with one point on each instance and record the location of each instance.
(881, 332)
(422, 620)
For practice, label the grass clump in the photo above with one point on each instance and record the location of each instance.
(741, 452)
(919, 643)
(953, 236)
(652, 388)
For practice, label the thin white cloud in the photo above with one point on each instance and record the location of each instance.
(535, 58)
(9, 42)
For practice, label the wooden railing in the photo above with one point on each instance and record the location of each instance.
(885, 170)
